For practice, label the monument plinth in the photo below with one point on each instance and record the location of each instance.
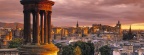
(40, 41)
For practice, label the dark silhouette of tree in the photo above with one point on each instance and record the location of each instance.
(15, 43)
(84, 47)
(68, 50)
(129, 35)
(91, 47)
(58, 45)
(105, 50)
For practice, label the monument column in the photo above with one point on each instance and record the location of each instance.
(36, 6)
(49, 26)
(37, 28)
(42, 26)
(45, 28)
(27, 27)
(34, 25)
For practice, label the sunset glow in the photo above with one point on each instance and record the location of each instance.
(138, 26)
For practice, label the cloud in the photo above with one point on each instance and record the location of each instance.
(117, 2)
(98, 10)
(10, 11)
(87, 12)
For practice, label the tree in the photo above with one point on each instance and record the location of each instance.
(84, 47)
(15, 43)
(125, 36)
(58, 45)
(68, 50)
(78, 48)
(128, 36)
(77, 51)
(105, 50)
(91, 48)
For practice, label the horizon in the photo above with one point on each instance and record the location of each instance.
(124, 27)
(87, 12)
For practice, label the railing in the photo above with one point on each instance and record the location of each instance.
(9, 52)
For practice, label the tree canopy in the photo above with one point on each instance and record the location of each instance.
(79, 48)
(105, 50)
(68, 50)
(77, 51)
(15, 43)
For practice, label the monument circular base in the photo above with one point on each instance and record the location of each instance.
(49, 49)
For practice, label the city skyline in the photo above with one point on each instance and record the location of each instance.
(87, 12)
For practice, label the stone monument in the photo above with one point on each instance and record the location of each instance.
(39, 43)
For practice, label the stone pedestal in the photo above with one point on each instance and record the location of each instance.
(49, 49)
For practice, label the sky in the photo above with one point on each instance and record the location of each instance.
(86, 12)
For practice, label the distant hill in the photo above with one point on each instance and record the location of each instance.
(11, 25)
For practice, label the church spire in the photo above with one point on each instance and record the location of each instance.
(130, 29)
(118, 22)
(77, 25)
(118, 25)
(130, 34)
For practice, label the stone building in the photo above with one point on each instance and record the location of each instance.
(119, 30)
(5, 40)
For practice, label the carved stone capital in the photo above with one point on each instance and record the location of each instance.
(45, 7)
(29, 6)
(41, 5)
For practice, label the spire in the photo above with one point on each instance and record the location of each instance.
(77, 25)
(130, 36)
(118, 22)
(130, 29)
(130, 32)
